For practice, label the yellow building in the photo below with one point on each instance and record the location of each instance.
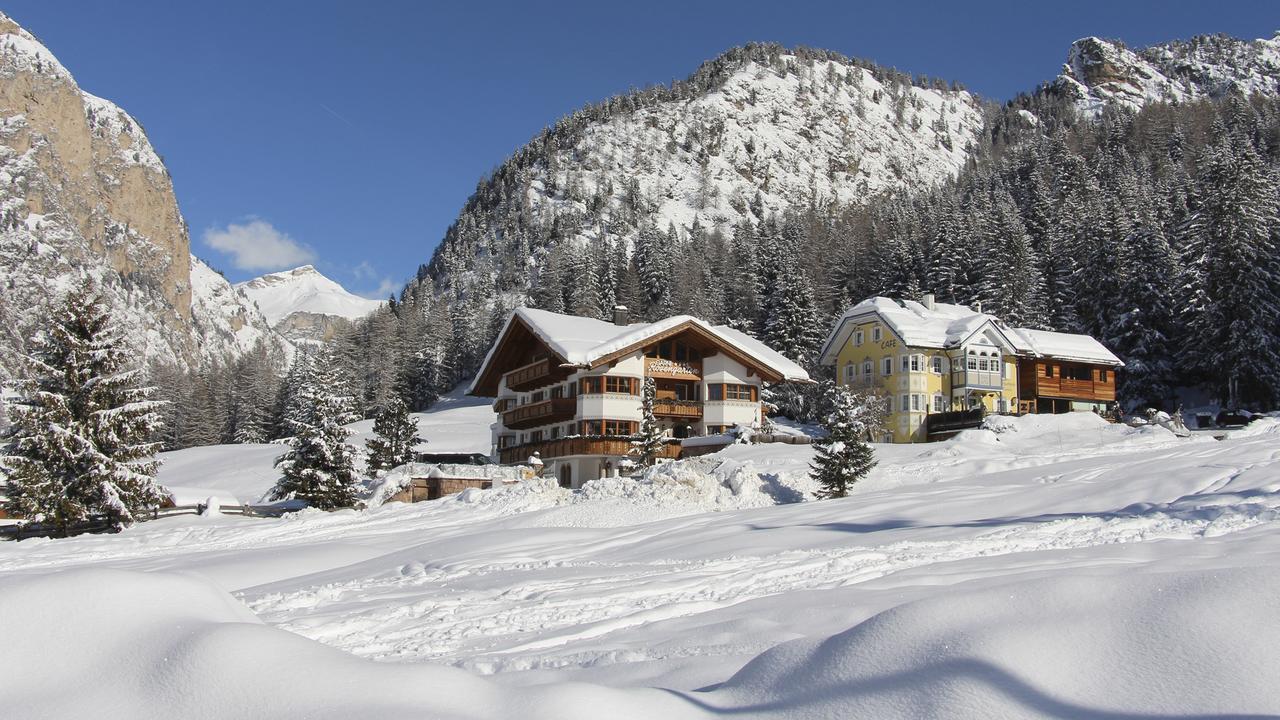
(926, 358)
(942, 366)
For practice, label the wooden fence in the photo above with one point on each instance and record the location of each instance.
(30, 530)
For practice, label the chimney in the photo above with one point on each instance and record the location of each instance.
(928, 301)
(977, 307)
(620, 315)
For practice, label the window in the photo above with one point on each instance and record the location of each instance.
(906, 363)
(1102, 376)
(535, 436)
(917, 361)
(506, 441)
(906, 403)
(573, 389)
(715, 392)
(886, 366)
(875, 334)
(866, 368)
(888, 403)
(849, 371)
(1048, 370)
(592, 386)
(973, 363)
(557, 391)
(538, 396)
(739, 392)
(917, 403)
(623, 385)
(554, 432)
(982, 364)
(1076, 372)
(937, 364)
(857, 338)
(619, 427)
(939, 402)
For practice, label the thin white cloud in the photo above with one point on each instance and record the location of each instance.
(364, 271)
(387, 287)
(258, 245)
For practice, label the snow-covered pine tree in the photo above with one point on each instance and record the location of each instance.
(81, 446)
(1235, 272)
(320, 466)
(395, 434)
(649, 443)
(1145, 323)
(844, 456)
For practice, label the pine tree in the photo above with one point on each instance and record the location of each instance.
(395, 436)
(320, 466)
(81, 446)
(844, 456)
(649, 444)
(1236, 271)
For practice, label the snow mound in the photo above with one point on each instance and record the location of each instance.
(157, 645)
(1162, 645)
(162, 645)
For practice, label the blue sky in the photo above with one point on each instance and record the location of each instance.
(349, 134)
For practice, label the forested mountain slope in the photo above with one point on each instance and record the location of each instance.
(775, 186)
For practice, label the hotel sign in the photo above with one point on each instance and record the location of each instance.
(671, 368)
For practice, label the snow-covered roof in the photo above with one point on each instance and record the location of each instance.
(944, 325)
(582, 341)
(1068, 346)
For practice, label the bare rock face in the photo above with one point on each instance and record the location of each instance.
(84, 197)
(1099, 72)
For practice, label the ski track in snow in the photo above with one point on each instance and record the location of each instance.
(488, 614)
(498, 586)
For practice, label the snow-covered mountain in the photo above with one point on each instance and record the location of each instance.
(752, 133)
(1100, 72)
(302, 303)
(84, 196)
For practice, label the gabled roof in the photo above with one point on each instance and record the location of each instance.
(945, 326)
(586, 342)
(1068, 346)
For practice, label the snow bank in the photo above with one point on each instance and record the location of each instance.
(382, 489)
(1184, 644)
(114, 644)
(160, 645)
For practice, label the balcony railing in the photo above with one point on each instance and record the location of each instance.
(953, 421)
(530, 376)
(540, 413)
(565, 447)
(677, 408)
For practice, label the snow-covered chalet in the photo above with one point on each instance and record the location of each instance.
(941, 366)
(569, 388)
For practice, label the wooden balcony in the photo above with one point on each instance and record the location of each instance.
(564, 447)
(689, 409)
(531, 376)
(540, 413)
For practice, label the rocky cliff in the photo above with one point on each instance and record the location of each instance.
(84, 197)
(1100, 72)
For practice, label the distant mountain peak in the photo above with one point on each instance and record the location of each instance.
(307, 296)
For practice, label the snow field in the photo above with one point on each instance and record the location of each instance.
(1045, 567)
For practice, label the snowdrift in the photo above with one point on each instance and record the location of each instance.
(142, 645)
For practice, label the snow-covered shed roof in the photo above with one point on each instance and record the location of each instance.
(1068, 346)
(585, 342)
(944, 325)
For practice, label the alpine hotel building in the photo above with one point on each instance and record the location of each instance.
(569, 388)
